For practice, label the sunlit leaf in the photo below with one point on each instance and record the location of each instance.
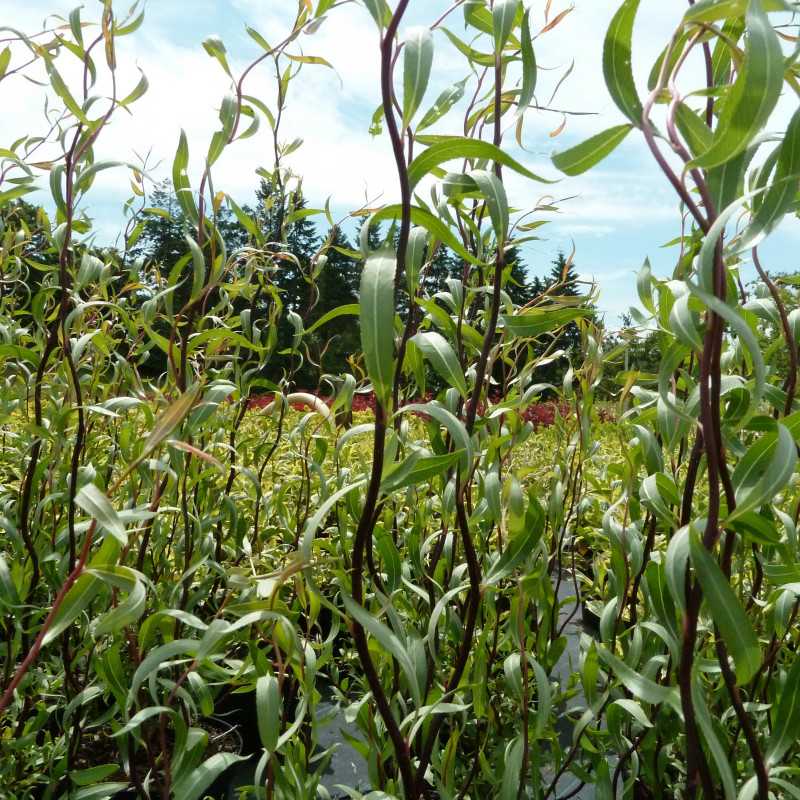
(99, 507)
(503, 14)
(453, 147)
(417, 62)
(617, 67)
(753, 96)
(584, 156)
(444, 102)
(377, 321)
(529, 67)
(443, 359)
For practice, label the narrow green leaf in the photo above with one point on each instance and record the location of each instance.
(604, 789)
(139, 90)
(683, 323)
(444, 102)
(388, 640)
(617, 67)
(472, 55)
(351, 309)
(62, 90)
(193, 785)
(131, 27)
(693, 129)
(15, 193)
(215, 47)
(503, 14)
(379, 10)
(512, 769)
(651, 449)
(142, 716)
(318, 60)
(98, 506)
(377, 322)
(717, 749)
(454, 425)
(584, 156)
(714, 10)
(724, 182)
(726, 611)
(517, 550)
(452, 147)
(787, 717)
(529, 68)
(245, 220)
(752, 98)
(126, 613)
(77, 600)
(415, 256)
(477, 15)
(311, 527)
(256, 37)
(8, 589)
(545, 700)
(658, 492)
(166, 423)
(764, 470)
(781, 195)
(537, 321)
(492, 189)
(156, 659)
(93, 775)
(635, 710)
(417, 61)
(641, 687)
(443, 359)
(433, 224)
(746, 336)
(674, 49)
(493, 494)
(5, 60)
(100, 791)
(418, 469)
(199, 267)
(180, 179)
(268, 708)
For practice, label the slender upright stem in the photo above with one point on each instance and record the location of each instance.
(363, 535)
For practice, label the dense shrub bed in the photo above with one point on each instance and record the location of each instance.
(203, 569)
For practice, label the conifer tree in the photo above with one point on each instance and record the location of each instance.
(518, 286)
(337, 285)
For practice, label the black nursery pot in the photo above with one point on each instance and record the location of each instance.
(234, 742)
(590, 620)
(239, 710)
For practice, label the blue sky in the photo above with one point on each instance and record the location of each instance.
(619, 213)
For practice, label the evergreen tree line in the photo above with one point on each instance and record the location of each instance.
(161, 244)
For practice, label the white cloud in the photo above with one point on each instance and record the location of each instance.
(338, 158)
(186, 85)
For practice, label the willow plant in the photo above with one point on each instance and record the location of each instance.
(700, 596)
(122, 593)
(178, 560)
(162, 553)
(446, 531)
